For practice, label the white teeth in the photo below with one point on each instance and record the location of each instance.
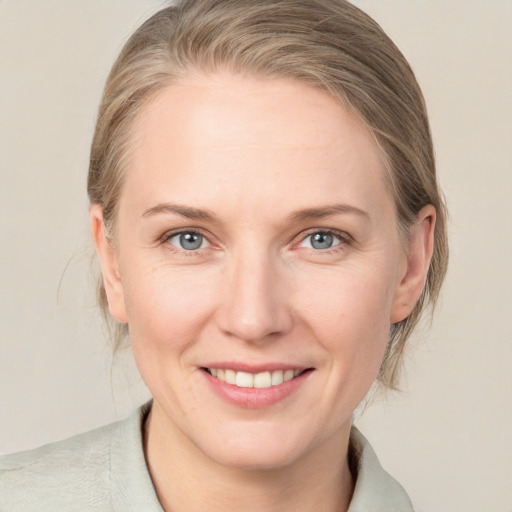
(263, 380)
(288, 375)
(250, 380)
(277, 377)
(230, 376)
(244, 380)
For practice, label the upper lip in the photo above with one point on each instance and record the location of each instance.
(239, 366)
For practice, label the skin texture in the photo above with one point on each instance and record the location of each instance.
(267, 160)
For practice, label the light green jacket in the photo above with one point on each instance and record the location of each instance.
(105, 470)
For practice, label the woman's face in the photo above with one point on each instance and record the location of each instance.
(256, 240)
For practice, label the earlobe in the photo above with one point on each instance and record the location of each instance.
(109, 265)
(421, 247)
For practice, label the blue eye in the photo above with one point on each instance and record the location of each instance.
(188, 240)
(321, 240)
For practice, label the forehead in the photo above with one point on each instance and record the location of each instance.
(212, 138)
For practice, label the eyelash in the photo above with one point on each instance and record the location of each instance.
(344, 238)
(165, 240)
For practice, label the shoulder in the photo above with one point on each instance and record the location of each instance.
(71, 475)
(66, 470)
(375, 490)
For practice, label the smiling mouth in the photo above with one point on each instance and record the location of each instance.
(260, 380)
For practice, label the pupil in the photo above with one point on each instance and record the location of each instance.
(322, 240)
(191, 241)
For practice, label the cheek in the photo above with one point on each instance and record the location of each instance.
(167, 310)
(167, 307)
(348, 310)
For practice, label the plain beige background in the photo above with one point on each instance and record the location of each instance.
(447, 436)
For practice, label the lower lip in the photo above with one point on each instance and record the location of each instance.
(255, 398)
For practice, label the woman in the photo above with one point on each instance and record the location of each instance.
(265, 211)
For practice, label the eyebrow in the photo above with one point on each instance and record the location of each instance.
(297, 216)
(184, 211)
(326, 211)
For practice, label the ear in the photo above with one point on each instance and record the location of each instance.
(109, 265)
(421, 247)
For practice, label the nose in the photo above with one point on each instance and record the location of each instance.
(255, 307)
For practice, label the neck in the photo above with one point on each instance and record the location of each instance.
(186, 479)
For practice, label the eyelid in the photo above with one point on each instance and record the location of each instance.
(164, 239)
(344, 237)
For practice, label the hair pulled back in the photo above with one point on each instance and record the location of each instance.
(328, 44)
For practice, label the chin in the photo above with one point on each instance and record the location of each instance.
(255, 458)
(260, 448)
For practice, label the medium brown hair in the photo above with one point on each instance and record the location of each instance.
(328, 44)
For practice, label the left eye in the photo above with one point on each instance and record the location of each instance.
(188, 241)
(321, 240)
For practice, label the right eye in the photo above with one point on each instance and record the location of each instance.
(322, 240)
(188, 240)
